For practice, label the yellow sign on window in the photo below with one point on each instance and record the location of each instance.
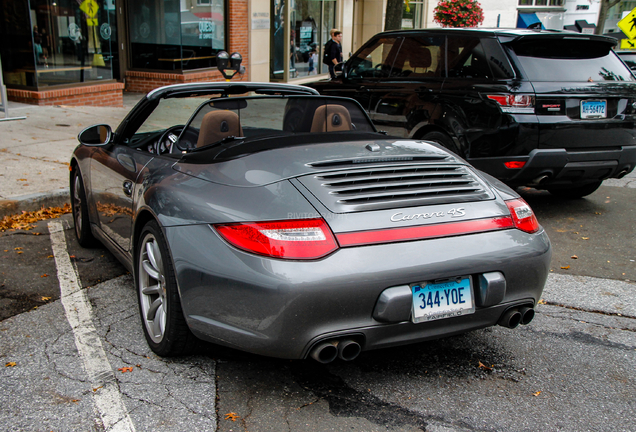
(90, 8)
(628, 43)
(628, 24)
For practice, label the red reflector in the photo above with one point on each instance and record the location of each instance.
(514, 164)
(523, 216)
(423, 232)
(290, 239)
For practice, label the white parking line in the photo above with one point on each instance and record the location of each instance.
(108, 401)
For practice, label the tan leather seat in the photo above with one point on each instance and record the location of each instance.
(218, 124)
(331, 118)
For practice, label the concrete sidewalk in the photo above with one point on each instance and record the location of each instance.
(35, 152)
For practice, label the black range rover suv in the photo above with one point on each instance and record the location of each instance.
(549, 109)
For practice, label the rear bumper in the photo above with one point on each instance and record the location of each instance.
(282, 308)
(544, 167)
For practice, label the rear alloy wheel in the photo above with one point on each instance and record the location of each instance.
(162, 319)
(576, 191)
(442, 139)
(80, 211)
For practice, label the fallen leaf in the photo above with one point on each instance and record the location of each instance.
(483, 366)
(585, 238)
(44, 275)
(25, 220)
(20, 252)
(18, 248)
(541, 301)
(565, 267)
(126, 369)
(11, 364)
(231, 416)
(536, 394)
(46, 298)
(50, 256)
(574, 257)
(97, 388)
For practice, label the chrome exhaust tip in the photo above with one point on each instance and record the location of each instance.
(527, 314)
(510, 319)
(622, 174)
(325, 352)
(540, 179)
(348, 349)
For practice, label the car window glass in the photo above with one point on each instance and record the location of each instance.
(374, 60)
(563, 60)
(466, 58)
(170, 112)
(419, 57)
(497, 59)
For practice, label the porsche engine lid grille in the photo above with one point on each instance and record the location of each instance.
(408, 185)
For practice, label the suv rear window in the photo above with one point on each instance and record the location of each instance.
(570, 60)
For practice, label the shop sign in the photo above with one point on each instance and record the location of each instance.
(260, 21)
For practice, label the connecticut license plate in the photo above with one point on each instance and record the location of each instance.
(442, 299)
(593, 109)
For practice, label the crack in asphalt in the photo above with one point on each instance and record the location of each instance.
(595, 324)
(580, 309)
(345, 401)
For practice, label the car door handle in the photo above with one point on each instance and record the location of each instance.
(128, 187)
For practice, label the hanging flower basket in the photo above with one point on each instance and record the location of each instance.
(459, 13)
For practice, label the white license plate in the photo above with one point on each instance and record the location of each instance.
(593, 109)
(442, 299)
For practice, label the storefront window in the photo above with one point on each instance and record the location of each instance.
(176, 34)
(56, 42)
(311, 23)
(412, 15)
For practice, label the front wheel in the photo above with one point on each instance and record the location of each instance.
(79, 206)
(574, 192)
(165, 328)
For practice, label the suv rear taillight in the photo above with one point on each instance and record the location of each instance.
(514, 103)
(301, 239)
(522, 216)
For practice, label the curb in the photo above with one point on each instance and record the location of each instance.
(33, 202)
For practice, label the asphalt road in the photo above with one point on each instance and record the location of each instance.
(573, 368)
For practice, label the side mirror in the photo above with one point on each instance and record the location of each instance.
(97, 135)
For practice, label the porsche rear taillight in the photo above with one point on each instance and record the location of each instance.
(522, 216)
(302, 239)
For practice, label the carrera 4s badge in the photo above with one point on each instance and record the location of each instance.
(454, 213)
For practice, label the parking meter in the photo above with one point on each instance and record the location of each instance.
(229, 65)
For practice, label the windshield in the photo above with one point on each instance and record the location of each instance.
(570, 60)
(221, 120)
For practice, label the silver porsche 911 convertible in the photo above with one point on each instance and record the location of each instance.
(270, 219)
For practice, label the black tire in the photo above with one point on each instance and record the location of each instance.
(442, 139)
(574, 192)
(80, 211)
(162, 320)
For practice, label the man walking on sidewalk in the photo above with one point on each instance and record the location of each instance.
(333, 51)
